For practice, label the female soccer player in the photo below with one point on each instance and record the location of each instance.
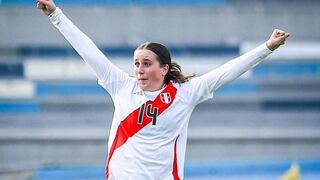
(152, 109)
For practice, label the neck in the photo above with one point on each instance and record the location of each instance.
(157, 88)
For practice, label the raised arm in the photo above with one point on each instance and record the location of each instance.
(103, 68)
(236, 67)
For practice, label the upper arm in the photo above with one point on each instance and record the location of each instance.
(109, 76)
(235, 67)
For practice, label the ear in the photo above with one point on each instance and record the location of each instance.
(165, 69)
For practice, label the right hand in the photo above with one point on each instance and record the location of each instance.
(277, 38)
(47, 6)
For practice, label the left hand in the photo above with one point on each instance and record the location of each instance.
(47, 6)
(277, 38)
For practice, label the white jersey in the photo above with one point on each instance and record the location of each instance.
(149, 129)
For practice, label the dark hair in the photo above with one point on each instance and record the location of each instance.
(163, 54)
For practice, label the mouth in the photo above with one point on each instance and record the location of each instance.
(142, 79)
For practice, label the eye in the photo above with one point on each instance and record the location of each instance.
(146, 64)
(136, 64)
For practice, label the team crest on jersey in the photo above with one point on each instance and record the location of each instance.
(165, 97)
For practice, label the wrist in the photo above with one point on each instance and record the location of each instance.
(56, 11)
(269, 46)
(52, 11)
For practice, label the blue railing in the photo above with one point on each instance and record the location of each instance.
(204, 50)
(309, 169)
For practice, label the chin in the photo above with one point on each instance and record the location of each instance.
(143, 86)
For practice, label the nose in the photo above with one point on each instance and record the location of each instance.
(140, 70)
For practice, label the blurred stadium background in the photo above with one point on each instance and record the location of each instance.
(55, 119)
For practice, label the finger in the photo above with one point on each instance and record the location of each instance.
(39, 3)
(40, 6)
(287, 35)
(279, 34)
(44, 2)
(280, 31)
(284, 37)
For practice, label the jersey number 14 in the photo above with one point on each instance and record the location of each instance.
(150, 112)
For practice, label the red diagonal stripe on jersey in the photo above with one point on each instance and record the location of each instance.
(129, 126)
(175, 162)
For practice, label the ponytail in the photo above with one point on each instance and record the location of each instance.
(175, 74)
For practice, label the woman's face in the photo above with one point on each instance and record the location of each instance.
(148, 71)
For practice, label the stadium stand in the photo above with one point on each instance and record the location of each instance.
(54, 118)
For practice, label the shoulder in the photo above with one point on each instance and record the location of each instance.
(194, 91)
(183, 89)
(119, 87)
(191, 83)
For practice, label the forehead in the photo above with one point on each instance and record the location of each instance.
(141, 54)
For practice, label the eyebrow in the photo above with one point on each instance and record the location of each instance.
(144, 59)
